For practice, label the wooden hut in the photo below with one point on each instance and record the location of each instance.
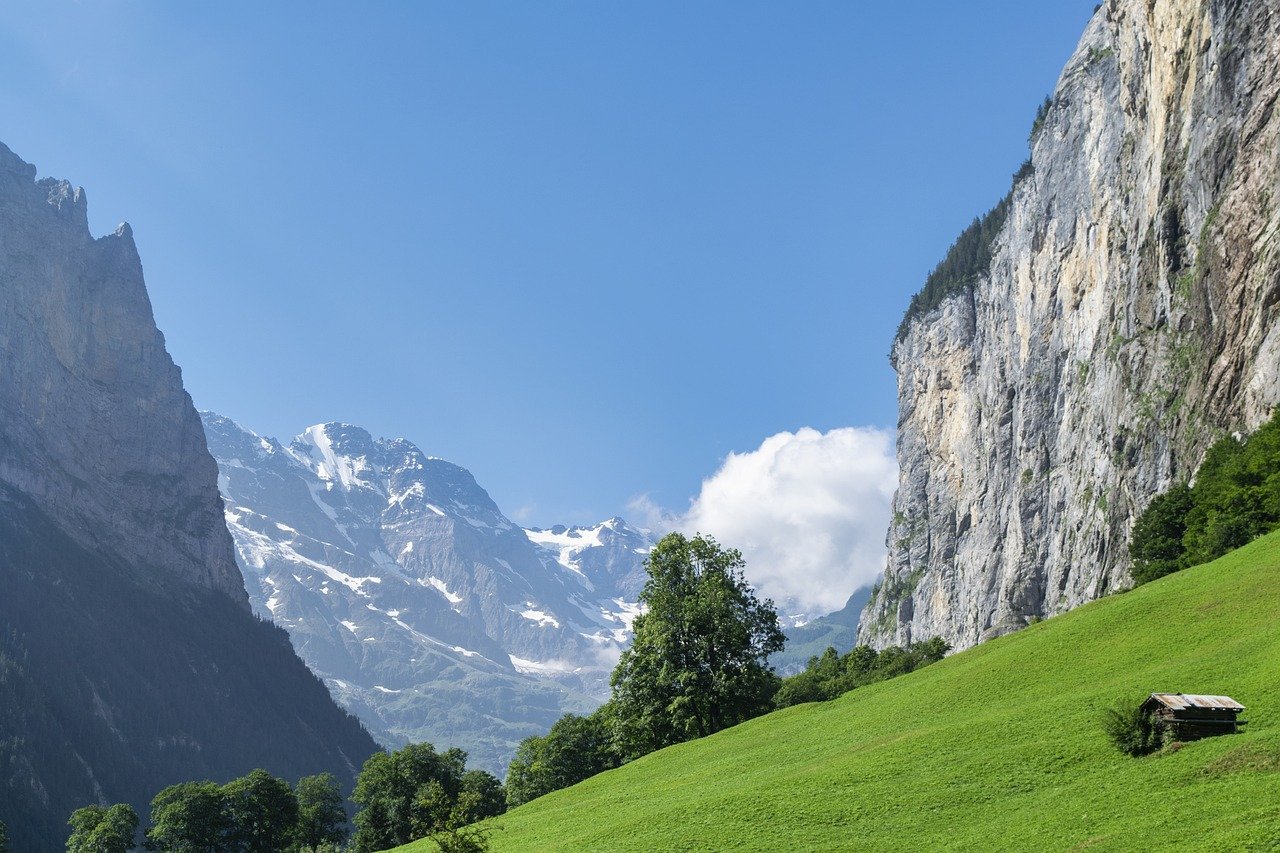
(1190, 716)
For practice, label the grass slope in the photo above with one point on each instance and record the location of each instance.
(997, 748)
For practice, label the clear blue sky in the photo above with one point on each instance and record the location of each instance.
(584, 249)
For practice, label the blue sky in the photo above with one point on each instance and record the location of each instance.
(584, 249)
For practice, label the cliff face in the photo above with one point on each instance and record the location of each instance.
(129, 658)
(1128, 319)
(95, 426)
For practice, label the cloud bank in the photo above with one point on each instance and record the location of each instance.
(808, 510)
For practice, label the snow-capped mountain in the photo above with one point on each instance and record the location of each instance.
(428, 612)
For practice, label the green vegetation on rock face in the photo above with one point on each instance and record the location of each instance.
(995, 748)
(1235, 499)
(968, 259)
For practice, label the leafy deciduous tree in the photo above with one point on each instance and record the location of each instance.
(576, 748)
(321, 818)
(188, 818)
(95, 829)
(413, 792)
(261, 813)
(698, 663)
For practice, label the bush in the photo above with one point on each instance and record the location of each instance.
(1132, 730)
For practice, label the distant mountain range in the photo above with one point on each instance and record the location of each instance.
(429, 613)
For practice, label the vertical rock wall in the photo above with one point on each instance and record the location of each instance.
(1128, 320)
(94, 423)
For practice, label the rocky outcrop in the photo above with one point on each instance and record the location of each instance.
(1127, 320)
(95, 426)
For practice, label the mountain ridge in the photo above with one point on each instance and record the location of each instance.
(428, 612)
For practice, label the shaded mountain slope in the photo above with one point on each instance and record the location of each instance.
(129, 657)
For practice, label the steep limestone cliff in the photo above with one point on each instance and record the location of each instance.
(1127, 319)
(129, 658)
(95, 426)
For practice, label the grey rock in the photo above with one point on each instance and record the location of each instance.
(129, 657)
(1128, 321)
(95, 425)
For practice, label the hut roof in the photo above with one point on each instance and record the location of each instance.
(1187, 701)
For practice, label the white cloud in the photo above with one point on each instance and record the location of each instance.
(808, 510)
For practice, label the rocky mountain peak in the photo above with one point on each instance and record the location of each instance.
(418, 601)
(89, 394)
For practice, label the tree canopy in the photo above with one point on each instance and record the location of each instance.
(257, 813)
(576, 748)
(261, 813)
(97, 829)
(698, 662)
(188, 818)
(321, 818)
(832, 674)
(415, 792)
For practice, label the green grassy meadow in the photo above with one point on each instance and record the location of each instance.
(997, 748)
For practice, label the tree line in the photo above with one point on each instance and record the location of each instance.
(412, 793)
(1235, 499)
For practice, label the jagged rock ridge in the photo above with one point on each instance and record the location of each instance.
(95, 426)
(427, 611)
(1128, 319)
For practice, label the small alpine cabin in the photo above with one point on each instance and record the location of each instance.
(1189, 716)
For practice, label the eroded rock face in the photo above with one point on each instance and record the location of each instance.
(1128, 321)
(94, 423)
